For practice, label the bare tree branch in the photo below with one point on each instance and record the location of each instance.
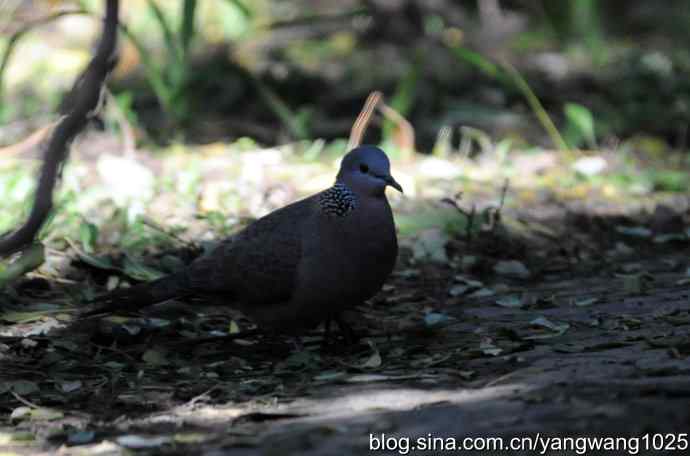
(82, 102)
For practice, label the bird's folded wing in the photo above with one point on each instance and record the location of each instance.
(258, 266)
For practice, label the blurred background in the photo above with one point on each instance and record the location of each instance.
(286, 70)
(543, 149)
(211, 99)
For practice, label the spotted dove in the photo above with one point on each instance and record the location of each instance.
(299, 265)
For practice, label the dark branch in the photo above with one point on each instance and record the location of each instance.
(83, 102)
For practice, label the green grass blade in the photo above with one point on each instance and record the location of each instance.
(168, 34)
(508, 75)
(536, 106)
(292, 121)
(187, 30)
(478, 61)
(153, 73)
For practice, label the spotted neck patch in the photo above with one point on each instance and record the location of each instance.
(337, 201)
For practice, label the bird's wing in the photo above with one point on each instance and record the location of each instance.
(259, 264)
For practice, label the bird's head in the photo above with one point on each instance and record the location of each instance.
(367, 171)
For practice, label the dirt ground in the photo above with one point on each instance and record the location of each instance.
(592, 338)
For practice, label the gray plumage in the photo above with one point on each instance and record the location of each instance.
(301, 264)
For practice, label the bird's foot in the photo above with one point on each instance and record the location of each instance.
(349, 335)
(297, 344)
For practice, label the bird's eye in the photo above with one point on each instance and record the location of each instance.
(364, 168)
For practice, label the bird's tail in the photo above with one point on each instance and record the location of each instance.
(141, 295)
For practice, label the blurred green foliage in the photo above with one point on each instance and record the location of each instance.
(169, 77)
(582, 70)
(578, 21)
(579, 128)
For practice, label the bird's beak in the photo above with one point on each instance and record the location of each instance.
(393, 183)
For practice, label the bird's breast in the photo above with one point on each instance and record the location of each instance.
(355, 254)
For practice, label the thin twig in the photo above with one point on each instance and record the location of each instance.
(470, 215)
(24, 401)
(133, 361)
(495, 212)
(405, 127)
(536, 106)
(470, 223)
(192, 402)
(154, 225)
(16, 36)
(225, 338)
(31, 141)
(504, 192)
(360, 125)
